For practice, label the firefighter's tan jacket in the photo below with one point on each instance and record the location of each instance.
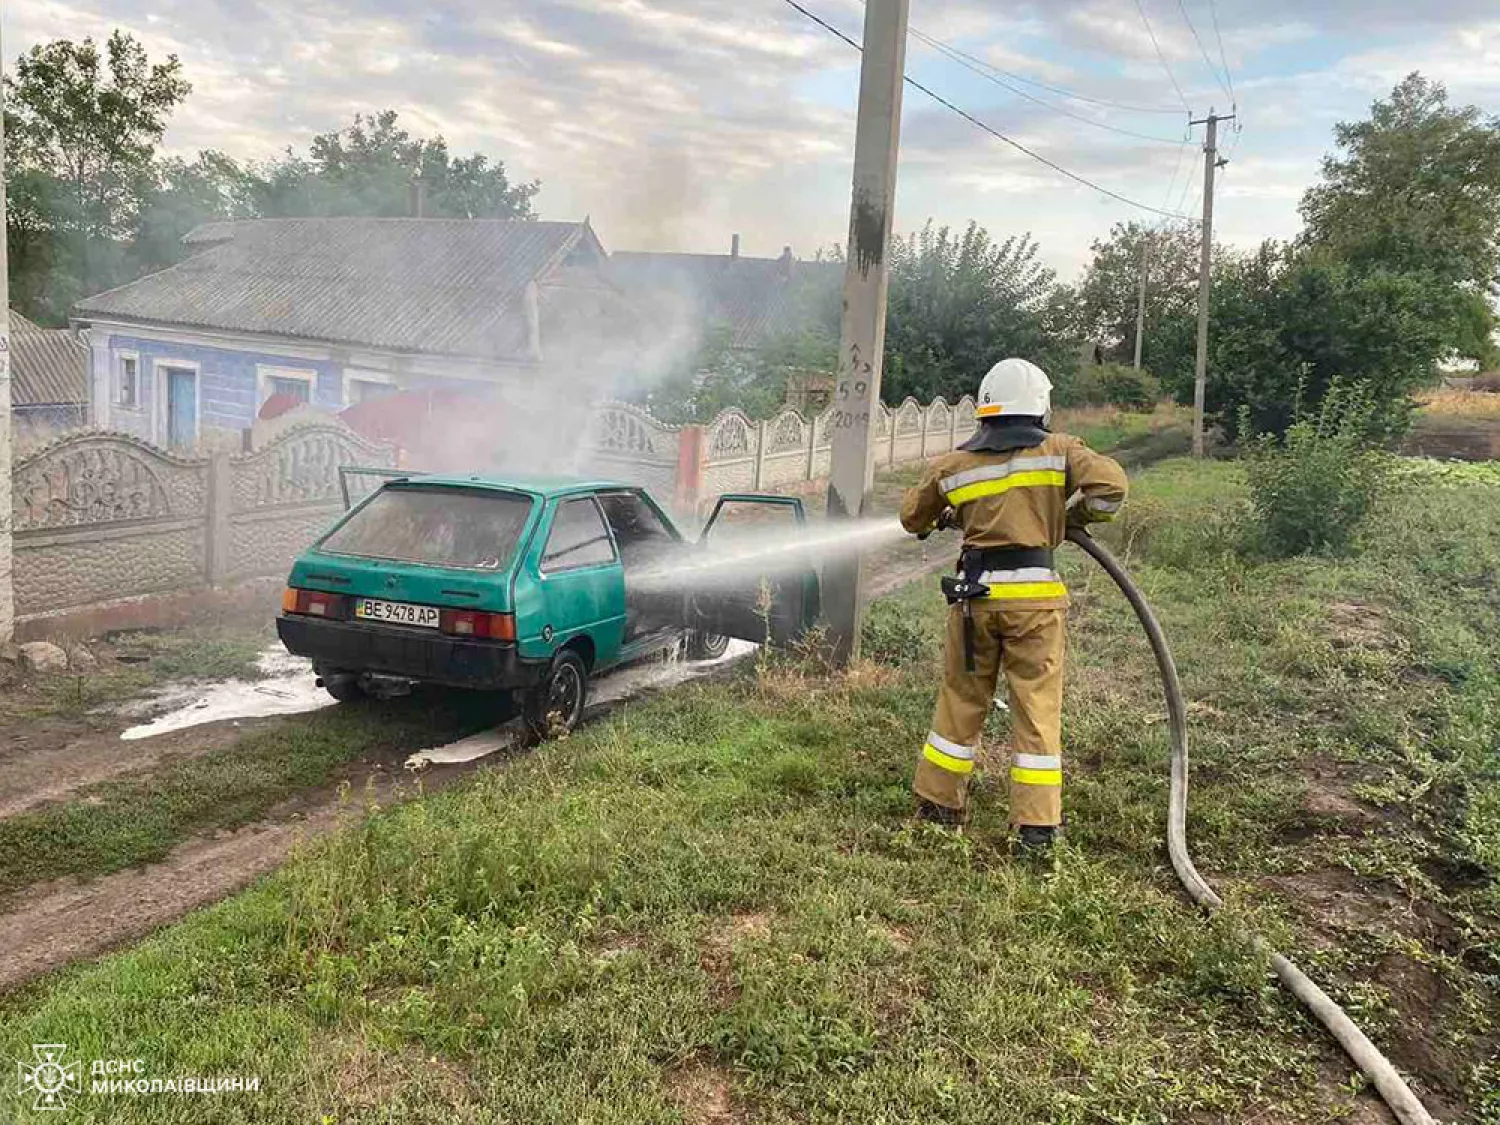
(1018, 499)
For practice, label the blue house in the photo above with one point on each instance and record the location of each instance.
(334, 311)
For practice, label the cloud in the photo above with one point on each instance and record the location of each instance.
(674, 122)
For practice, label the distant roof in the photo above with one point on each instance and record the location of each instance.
(49, 366)
(436, 286)
(756, 298)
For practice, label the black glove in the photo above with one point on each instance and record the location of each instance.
(946, 519)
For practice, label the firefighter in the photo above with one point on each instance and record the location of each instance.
(1012, 488)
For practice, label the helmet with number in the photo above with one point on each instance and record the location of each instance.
(1015, 388)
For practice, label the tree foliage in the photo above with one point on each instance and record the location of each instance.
(370, 167)
(81, 130)
(1415, 189)
(1106, 298)
(960, 302)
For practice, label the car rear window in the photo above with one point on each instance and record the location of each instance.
(435, 527)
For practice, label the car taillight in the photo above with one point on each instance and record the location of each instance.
(315, 603)
(478, 624)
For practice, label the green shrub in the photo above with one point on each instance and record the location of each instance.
(1312, 488)
(1110, 384)
(890, 636)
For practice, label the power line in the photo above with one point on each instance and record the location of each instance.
(963, 60)
(1172, 78)
(1202, 50)
(1213, 11)
(1013, 76)
(971, 119)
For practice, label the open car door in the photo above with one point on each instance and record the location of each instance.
(754, 577)
(356, 482)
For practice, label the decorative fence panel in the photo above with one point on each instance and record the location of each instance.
(101, 517)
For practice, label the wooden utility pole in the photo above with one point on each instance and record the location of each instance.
(1200, 371)
(1140, 298)
(7, 570)
(862, 338)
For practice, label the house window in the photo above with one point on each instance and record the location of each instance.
(299, 389)
(363, 390)
(130, 382)
(291, 381)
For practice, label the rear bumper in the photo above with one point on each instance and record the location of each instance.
(348, 646)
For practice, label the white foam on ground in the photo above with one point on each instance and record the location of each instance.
(289, 688)
(469, 749)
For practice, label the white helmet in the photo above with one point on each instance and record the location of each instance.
(1015, 388)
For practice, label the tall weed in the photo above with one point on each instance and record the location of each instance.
(1312, 489)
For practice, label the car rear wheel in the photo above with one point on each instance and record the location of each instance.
(554, 707)
(706, 646)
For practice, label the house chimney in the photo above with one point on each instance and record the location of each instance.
(734, 246)
(785, 262)
(418, 198)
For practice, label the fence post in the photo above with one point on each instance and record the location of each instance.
(216, 526)
(812, 448)
(891, 459)
(760, 454)
(922, 446)
(952, 427)
(689, 468)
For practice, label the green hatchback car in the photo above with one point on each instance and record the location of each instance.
(532, 586)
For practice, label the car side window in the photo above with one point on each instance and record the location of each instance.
(639, 530)
(578, 538)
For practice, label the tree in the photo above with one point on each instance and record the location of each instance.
(959, 303)
(369, 167)
(1108, 292)
(1292, 323)
(185, 194)
(81, 129)
(1417, 188)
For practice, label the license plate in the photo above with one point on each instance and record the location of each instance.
(396, 613)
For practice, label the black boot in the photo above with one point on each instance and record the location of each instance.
(1036, 838)
(939, 814)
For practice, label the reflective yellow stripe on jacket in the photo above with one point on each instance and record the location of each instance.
(1032, 582)
(991, 480)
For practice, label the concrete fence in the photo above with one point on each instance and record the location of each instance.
(689, 466)
(104, 522)
(103, 518)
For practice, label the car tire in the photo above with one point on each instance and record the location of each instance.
(555, 706)
(343, 686)
(706, 646)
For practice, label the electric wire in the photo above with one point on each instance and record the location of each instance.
(963, 61)
(1213, 12)
(1202, 50)
(991, 130)
(1365, 1055)
(1059, 90)
(1172, 78)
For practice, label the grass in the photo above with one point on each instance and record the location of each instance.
(1466, 404)
(718, 901)
(125, 823)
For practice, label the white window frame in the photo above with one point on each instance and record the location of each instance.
(161, 427)
(354, 375)
(265, 372)
(118, 382)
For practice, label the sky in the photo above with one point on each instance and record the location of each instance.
(673, 124)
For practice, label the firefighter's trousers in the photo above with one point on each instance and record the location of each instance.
(1027, 646)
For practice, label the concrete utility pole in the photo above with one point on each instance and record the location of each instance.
(1200, 372)
(7, 584)
(866, 275)
(1140, 299)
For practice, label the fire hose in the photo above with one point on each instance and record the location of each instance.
(1365, 1055)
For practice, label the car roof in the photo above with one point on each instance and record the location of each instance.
(538, 484)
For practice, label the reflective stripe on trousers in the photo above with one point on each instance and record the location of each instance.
(948, 755)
